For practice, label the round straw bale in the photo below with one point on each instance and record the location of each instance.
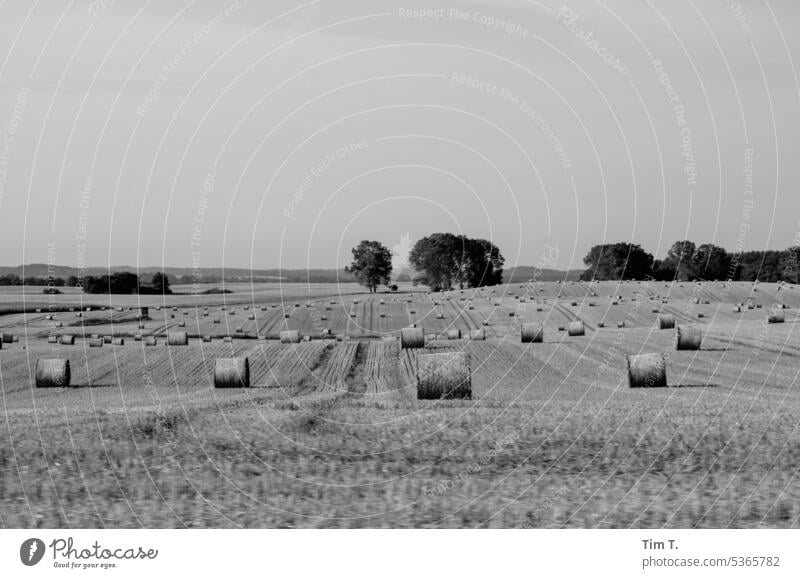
(413, 312)
(688, 338)
(95, 343)
(647, 370)
(666, 321)
(177, 338)
(601, 324)
(107, 339)
(444, 376)
(383, 314)
(576, 329)
(412, 338)
(477, 335)
(52, 339)
(59, 324)
(485, 323)
(701, 315)
(216, 320)
(232, 372)
(532, 332)
(67, 340)
(453, 334)
(227, 339)
(6, 338)
(251, 317)
(118, 341)
(776, 316)
(206, 339)
(52, 373)
(290, 336)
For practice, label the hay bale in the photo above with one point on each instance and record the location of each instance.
(477, 335)
(137, 337)
(647, 370)
(119, 341)
(601, 324)
(107, 339)
(52, 339)
(444, 376)
(227, 339)
(67, 340)
(383, 315)
(701, 315)
(177, 338)
(532, 332)
(59, 324)
(95, 343)
(776, 316)
(206, 339)
(666, 321)
(216, 320)
(251, 317)
(688, 338)
(52, 373)
(412, 338)
(290, 336)
(576, 329)
(231, 372)
(6, 338)
(453, 334)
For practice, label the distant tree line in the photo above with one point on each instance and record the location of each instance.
(116, 283)
(686, 261)
(8, 280)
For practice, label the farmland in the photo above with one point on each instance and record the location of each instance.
(331, 433)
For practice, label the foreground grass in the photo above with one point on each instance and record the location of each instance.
(449, 464)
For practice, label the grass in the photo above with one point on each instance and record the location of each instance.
(261, 467)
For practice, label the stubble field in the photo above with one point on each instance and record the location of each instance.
(331, 434)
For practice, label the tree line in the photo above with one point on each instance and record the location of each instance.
(686, 261)
(116, 283)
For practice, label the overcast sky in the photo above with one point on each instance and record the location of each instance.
(281, 133)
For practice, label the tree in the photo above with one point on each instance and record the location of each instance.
(711, 262)
(617, 261)
(680, 257)
(372, 265)
(483, 264)
(443, 261)
(438, 260)
(160, 283)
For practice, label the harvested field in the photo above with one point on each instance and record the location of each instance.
(561, 439)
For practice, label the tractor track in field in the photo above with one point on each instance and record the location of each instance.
(566, 312)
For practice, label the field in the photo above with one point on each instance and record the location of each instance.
(331, 433)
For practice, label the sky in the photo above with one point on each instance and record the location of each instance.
(280, 134)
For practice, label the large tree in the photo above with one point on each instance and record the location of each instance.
(711, 262)
(372, 265)
(617, 261)
(444, 261)
(680, 258)
(483, 264)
